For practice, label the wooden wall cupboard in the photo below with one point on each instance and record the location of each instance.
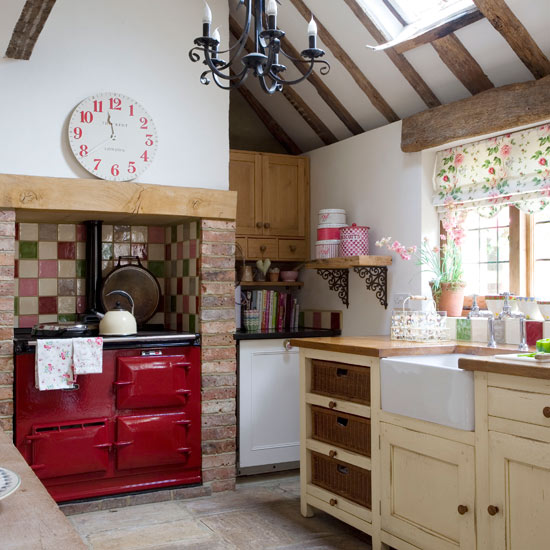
(273, 204)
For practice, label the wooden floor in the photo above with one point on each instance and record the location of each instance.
(262, 514)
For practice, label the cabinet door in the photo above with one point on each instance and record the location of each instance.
(285, 196)
(424, 481)
(245, 177)
(519, 485)
(269, 414)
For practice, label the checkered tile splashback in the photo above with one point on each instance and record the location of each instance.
(50, 269)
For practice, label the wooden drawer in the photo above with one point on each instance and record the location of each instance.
(241, 243)
(292, 249)
(350, 382)
(343, 430)
(519, 405)
(258, 249)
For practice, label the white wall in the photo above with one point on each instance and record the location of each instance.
(390, 191)
(136, 47)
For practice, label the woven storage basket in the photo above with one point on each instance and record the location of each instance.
(343, 430)
(341, 478)
(340, 380)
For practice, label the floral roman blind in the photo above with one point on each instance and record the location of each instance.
(487, 175)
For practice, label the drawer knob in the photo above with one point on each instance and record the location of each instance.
(332, 453)
(546, 412)
(292, 248)
(493, 510)
(267, 225)
(462, 509)
(332, 404)
(333, 502)
(263, 248)
(259, 224)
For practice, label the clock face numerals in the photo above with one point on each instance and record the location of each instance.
(112, 136)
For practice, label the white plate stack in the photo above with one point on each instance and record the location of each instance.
(328, 232)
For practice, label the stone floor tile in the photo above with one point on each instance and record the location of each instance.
(334, 542)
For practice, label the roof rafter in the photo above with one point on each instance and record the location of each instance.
(28, 28)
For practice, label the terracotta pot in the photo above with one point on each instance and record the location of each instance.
(451, 299)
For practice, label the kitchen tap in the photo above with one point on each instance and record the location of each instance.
(523, 333)
(475, 312)
(492, 343)
(506, 308)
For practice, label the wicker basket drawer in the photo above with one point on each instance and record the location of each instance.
(348, 382)
(341, 479)
(347, 431)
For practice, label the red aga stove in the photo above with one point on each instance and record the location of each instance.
(134, 427)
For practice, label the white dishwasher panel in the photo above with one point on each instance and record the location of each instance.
(269, 414)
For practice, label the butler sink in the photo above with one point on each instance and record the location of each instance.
(429, 387)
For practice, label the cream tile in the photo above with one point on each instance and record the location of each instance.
(81, 287)
(512, 331)
(168, 234)
(28, 231)
(66, 304)
(174, 251)
(28, 268)
(179, 304)
(80, 251)
(47, 287)
(47, 250)
(479, 330)
(155, 252)
(173, 286)
(546, 329)
(16, 248)
(451, 324)
(193, 230)
(66, 268)
(107, 234)
(179, 269)
(185, 286)
(28, 305)
(179, 233)
(66, 232)
(139, 233)
(47, 318)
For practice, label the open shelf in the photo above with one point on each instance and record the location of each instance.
(349, 261)
(269, 284)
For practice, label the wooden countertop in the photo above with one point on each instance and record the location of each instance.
(382, 346)
(29, 518)
(499, 366)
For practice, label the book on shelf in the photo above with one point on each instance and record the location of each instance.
(278, 310)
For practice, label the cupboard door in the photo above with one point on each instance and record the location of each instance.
(424, 481)
(245, 177)
(519, 484)
(285, 196)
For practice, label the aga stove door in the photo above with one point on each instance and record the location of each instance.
(147, 382)
(157, 439)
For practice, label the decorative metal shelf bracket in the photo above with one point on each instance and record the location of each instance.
(338, 280)
(376, 279)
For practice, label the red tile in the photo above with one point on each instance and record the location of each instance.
(185, 304)
(16, 231)
(156, 234)
(81, 304)
(47, 268)
(16, 270)
(197, 305)
(179, 325)
(47, 305)
(139, 250)
(180, 251)
(179, 286)
(168, 252)
(335, 321)
(317, 319)
(28, 287)
(28, 321)
(534, 332)
(81, 233)
(66, 251)
(192, 249)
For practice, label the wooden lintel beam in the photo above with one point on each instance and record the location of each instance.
(362, 81)
(399, 60)
(462, 64)
(518, 105)
(510, 27)
(439, 32)
(28, 28)
(305, 111)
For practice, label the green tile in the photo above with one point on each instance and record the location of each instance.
(67, 317)
(185, 268)
(463, 329)
(28, 250)
(16, 306)
(156, 268)
(174, 237)
(81, 268)
(173, 304)
(106, 251)
(192, 323)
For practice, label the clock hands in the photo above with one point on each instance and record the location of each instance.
(110, 122)
(112, 137)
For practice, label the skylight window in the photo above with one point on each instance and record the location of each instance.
(413, 11)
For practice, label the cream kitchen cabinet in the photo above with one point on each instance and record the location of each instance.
(273, 204)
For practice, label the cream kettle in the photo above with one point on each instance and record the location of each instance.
(118, 321)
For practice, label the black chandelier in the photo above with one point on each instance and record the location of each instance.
(264, 60)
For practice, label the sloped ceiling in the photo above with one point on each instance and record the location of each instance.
(482, 41)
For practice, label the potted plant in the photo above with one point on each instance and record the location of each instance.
(444, 263)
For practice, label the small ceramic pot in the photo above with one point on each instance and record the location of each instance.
(246, 274)
(274, 276)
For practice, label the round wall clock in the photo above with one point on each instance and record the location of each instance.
(112, 136)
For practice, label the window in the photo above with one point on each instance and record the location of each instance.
(486, 253)
(541, 254)
(426, 12)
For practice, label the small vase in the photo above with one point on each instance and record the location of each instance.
(451, 299)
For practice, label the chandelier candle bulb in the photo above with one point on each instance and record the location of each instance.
(216, 36)
(312, 33)
(271, 12)
(206, 20)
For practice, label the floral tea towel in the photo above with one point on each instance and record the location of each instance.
(54, 364)
(88, 355)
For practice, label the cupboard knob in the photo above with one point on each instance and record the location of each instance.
(332, 454)
(332, 404)
(258, 224)
(333, 502)
(267, 225)
(546, 412)
(263, 248)
(292, 248)
(462, 509)
(493, 510)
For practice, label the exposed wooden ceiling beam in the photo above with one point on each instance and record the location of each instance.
(439, 32)
(362, 81)
(400, 61)
(306, 112)
(28, 28)
(518, 105)
(462, 64)
(510, 27)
